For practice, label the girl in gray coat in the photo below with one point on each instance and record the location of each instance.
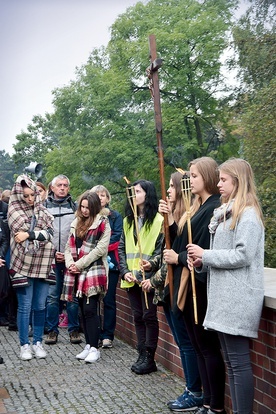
(235, 280)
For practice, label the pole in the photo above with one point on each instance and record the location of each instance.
(152, 72)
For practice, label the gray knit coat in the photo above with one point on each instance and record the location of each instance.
(235, 282)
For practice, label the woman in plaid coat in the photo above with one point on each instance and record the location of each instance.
(32, 252)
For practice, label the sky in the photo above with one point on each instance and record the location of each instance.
(41, 44)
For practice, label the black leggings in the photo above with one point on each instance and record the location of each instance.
(207, 346)
(91, 319)
(145, 320)
(236, 353)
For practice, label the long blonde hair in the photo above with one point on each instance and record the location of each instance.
(208, 169)
(244, 192)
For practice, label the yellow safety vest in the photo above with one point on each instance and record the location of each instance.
(148, 237)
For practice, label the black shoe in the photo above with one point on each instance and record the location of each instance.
(140, 359)
(1, 360)
(4, 321)
(12, 326)
(148, 365)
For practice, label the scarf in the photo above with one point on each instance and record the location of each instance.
(31, 258)
(93, 279)
(221, 214)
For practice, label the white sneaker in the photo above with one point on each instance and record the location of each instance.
(93, 355)
(26, 352)
(84, 353)
(39, 351)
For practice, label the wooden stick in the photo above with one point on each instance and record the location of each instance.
(132, 201)
(152, 72)
(186, 193)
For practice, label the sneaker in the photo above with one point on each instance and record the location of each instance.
(64, 322)
(215, 412)
(180, 398)
(107, 343)
(93, 355)
(188, 403)
(84, 353)
(60, 318)
(75, 337)
(26, 352)
(51, 338)
(202, 410)
(39, 351)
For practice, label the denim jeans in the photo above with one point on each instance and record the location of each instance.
(31, 298)
(109, 308)
(53, 304)
(186, 349)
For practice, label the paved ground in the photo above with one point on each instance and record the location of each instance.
(62, 384)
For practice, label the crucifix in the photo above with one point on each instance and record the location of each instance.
(152, 73)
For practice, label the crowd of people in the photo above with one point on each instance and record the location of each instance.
(64, 257)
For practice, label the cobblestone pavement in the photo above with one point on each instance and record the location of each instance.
(62, 384)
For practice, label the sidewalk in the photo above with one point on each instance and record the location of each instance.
(62, 384)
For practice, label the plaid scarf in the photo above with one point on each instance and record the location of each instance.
(30, 258)
(92, 280)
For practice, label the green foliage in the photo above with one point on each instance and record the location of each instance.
(103, 125)
(255, 41)
(8, 170)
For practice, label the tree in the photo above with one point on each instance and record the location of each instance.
(8, 171)
(255, 41)
(32, 146)
(105, 117)
(191, 37)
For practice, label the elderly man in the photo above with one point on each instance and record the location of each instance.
(60, 204)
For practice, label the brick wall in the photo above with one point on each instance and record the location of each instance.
(263, 352)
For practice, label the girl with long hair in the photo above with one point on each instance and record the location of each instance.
(174, 207)
(150, 235)
(203, 179)
(235, 263)
(87, 268)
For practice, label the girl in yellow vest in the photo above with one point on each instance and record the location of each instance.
(150, 224)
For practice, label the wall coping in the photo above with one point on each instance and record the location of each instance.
(270, 287)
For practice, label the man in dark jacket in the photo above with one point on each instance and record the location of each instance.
(60, 204)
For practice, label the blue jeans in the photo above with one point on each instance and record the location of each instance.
(109, 310)
(186, 350)
(53, 303)
(31, 299)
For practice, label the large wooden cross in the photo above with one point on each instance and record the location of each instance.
(152, 72)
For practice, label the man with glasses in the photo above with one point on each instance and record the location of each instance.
(60, 204)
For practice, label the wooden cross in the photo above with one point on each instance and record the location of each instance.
(152, 73)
